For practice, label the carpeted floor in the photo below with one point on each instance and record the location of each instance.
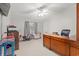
(34, 47)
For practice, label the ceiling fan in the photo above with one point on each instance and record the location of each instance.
(45, 6)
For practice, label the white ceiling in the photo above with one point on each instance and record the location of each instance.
(31, 6)
(26, 10)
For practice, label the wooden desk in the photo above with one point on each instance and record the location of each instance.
(74, 48)
(61, 45)
(46, 40)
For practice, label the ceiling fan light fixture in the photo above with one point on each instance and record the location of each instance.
(43, 12)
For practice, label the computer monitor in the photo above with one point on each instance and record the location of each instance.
(65, 32)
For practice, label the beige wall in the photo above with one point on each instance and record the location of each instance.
(62, 20)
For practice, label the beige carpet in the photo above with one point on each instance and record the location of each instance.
(33, 47)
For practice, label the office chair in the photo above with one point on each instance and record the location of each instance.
(65, 32)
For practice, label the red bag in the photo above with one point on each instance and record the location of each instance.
(8, 37)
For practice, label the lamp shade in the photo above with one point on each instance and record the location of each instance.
(4, 8)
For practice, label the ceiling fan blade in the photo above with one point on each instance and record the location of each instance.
(42, 7)
(29, 11)
(39, 8)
